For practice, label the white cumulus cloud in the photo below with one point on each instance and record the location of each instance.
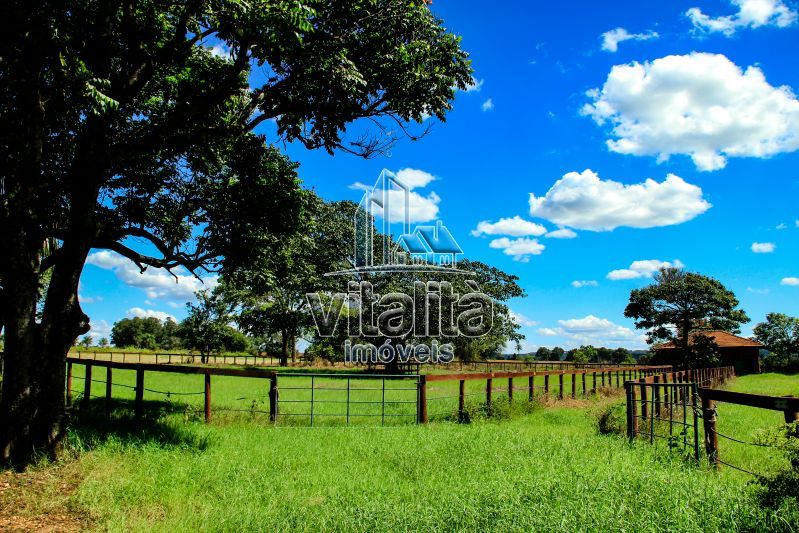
(751, 14)
(155, 282)
(584, 201)
(99, 329)
(643, 269)
(515, 227)
(580, 283)
(790, 281)
(562, 233)
(594, 330)
(138, 312)
(763, 247)
(701, 105)
(488, 105)
(522, 320)
(520, 249)
(612, 38)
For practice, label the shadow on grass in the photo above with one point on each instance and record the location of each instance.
(160, 425)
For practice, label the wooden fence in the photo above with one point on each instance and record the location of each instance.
(789, 406)
(602, 377)
(666, 405)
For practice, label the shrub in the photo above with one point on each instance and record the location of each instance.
(613, 420)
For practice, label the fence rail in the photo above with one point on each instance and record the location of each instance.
(492, 365)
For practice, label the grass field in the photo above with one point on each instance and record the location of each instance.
(548, 469)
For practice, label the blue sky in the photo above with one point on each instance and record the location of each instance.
(703, 95)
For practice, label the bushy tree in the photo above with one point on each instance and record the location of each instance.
(270, 292)
(543, 354)
(678, 306)
(121, 124)
(780, 334)
(207, 325)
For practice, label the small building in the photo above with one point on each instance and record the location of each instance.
(740, 352)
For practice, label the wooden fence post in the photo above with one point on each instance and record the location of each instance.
(656, 396)
(594, 387)
(273, 398)
(510, 389)
(531, 387)
(488, 395)
(644, 403)
(87, 385)
(583, 380)
(546, 385)
(633, 412)
(711, 437)
(574, 385)
(560, 386)
(207, 397)
(109, 382)
(137, 407)
(69, 383)
(422, 418)
(462, 400)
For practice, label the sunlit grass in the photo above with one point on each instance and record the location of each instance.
(544, 469)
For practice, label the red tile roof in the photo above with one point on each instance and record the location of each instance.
(722, 338)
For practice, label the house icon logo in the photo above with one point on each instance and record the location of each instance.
(423, 248)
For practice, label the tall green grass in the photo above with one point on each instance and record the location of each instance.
(546, 470)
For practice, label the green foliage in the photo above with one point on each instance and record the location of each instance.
(780, 334)
(206, 328)
(612, 420)
(680, 303)
(270, 292)
(86, 341)
(780, 491)
(145, 333)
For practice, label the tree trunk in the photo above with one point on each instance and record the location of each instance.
(32, 408)
(293, 348)
(284, 353)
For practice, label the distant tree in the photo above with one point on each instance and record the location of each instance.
(621, 355)
(86, 341)
(145, 341)
(558, 353)
(583, 354)
(543, 354)
(169, 336)
(103, 343)
(780, 334)
(678, 306)
(208, 323)
(137, 333)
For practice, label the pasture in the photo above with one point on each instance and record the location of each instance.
(545, 467)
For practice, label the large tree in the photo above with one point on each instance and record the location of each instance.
(121, 126)
(678, 306)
